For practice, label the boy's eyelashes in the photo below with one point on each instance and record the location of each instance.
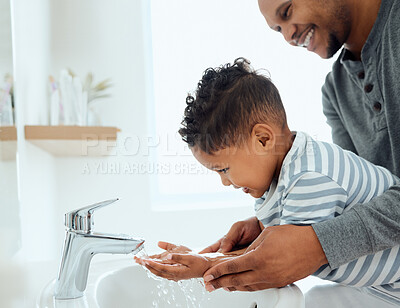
(222, 170)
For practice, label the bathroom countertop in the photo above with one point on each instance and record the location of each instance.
(39, 274)
(20, 283)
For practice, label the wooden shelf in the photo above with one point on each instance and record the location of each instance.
(8, 133)
(73, 140)
(8, 142)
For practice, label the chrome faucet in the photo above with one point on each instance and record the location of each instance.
(81, 244)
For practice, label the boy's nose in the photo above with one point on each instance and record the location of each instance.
(225, 181)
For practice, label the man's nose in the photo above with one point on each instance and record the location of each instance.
(289, 33)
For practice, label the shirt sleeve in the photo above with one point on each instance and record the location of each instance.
(365, 229)
(312, 198)
(340, 135)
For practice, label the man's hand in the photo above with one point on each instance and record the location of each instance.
(278, 257)
(242, 233)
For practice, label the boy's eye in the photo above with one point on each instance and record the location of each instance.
(223, 170)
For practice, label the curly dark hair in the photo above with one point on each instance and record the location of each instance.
(228, 102)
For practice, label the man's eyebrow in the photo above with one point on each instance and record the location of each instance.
(280, 7)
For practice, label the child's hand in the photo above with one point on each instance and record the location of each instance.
(177, 266)
(169, 248)
(178, 262)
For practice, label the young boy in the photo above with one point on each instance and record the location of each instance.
(236, 126)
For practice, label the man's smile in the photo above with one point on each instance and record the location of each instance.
(306, 37)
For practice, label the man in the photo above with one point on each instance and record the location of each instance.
(361, 100)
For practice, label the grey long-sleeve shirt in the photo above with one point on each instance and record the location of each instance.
(361, 100)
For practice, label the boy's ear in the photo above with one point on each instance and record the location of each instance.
(265, 135)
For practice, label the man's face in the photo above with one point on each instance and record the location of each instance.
(321, 26)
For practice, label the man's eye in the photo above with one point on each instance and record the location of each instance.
(286, 12)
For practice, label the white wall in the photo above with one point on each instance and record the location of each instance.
(10, 227)
(35, 168)
(5, 39)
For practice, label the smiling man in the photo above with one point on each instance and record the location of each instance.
(320, 26)
(361, 100)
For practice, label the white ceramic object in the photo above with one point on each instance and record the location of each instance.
(121, 283)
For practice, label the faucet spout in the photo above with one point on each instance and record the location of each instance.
(79, 248)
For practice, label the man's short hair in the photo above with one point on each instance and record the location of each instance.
(228, 102)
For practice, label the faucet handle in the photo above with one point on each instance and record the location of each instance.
(81, 219)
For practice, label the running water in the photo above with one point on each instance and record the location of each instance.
(167, 294)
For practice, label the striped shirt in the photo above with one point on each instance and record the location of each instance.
(319, 181)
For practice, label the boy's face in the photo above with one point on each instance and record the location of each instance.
(251, 167)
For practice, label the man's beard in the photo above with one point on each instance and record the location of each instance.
(333, 45)
(342, 30)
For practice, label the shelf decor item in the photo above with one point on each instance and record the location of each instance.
(95, 92)
(72, 102)
(6, 101)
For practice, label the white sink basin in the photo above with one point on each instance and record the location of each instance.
(121, 283)
(131, 287)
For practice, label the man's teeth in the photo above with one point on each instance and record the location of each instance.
(308, 38)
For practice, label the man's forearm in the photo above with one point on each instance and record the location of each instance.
(365, 229)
